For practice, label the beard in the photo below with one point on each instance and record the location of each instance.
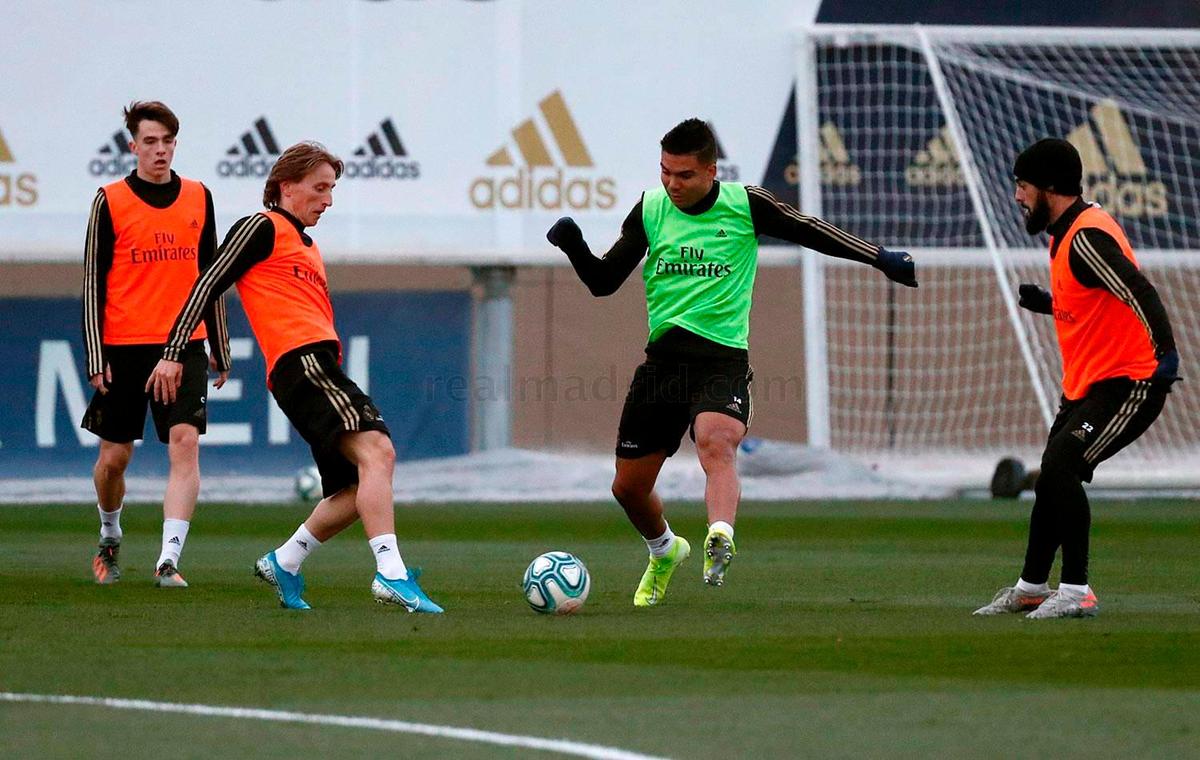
(1038, 218)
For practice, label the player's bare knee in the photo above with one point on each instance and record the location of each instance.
(629, 491)
(718, 447)
(183, 442)
(378, 454)
(113, 459)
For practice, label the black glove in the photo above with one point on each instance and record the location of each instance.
(1167, 370)
(1035, 298)
(565, 234)
(898, 266)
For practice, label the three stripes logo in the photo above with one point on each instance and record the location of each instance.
(937, 165)
(836, 167)
(727, 171)
(382, 156)
(1114, 174)
(17, 188)
(114, 158)
(253, 155)
(540, 181)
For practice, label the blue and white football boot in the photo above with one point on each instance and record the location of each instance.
(289, 587)
(406, 592)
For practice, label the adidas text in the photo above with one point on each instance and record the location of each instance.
(382, 168)
(245, 166)
(526, 190)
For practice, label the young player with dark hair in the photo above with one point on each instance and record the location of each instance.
(700, 240)
(1119, 361)
(280, 276)
(149, 236)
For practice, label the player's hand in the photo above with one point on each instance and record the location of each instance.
(565, 234)
(1167, 370)
(222, 375)
(898, 266)
(165, 380)
(1035, 298)
(101, 381)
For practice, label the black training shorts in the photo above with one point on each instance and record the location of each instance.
(1112, 415)
(323, 404)
(119, 416)
(667, 394)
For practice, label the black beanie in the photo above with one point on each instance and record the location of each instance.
(1051, 164)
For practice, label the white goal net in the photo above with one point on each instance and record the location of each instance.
(916, 130)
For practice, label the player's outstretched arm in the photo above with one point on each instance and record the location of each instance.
(779, 220)
(1035, 298)
(602, 276)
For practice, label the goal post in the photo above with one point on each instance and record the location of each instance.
(914, 131)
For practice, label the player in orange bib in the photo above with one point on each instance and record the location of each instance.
(280, 276)
(1119, 361)
(148, 237)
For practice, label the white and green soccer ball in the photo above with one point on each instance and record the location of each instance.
(556, 583)
(308, 484)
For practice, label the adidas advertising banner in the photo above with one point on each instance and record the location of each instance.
(417, 377)
(467, 127)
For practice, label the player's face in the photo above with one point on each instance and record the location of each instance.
(154, 147)
(307, 199)
(686, 180)
(1034, 205)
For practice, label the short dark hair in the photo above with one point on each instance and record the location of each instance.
(295, 164)
(692, 137)
(150, 110)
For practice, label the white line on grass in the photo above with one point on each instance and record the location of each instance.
(563, 746)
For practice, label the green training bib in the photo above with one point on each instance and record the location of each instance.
(700, 269)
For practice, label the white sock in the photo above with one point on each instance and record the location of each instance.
(722, 527)
(387, 557)
(292, 553)
(1077, 592)
(661, 546)
(110, 523)
(174, 536)
(1032, 589)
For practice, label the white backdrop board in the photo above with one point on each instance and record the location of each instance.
(467, 126)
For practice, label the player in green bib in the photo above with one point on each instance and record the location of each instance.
(699, 238)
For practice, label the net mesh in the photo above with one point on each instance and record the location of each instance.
(940, 367)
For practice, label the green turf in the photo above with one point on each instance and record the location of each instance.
(844, 630)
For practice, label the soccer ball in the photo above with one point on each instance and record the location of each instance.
(556, 583)
(308, 484)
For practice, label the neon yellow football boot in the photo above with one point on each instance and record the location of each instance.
(718, 553)
(658, 574)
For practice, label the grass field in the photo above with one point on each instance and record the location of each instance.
(843, 630)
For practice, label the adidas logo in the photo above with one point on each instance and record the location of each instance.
(303, 543)
(195, 225)
(733, 407)
(16, 188)
(382, 156)
(257, 149)
(836, 167)
(721, 234)
(937, 165)
(727, 171)
(1115, 175)
(1080, 434)
(174, 540)
(532, 186)
(113, 158)
(382, 549)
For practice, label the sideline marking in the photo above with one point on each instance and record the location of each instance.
(564, 746)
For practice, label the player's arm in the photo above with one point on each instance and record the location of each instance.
(97, 261)
(779, 220)
(215, 318)
(1097, 262)
(602, 276)
(249, 241)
